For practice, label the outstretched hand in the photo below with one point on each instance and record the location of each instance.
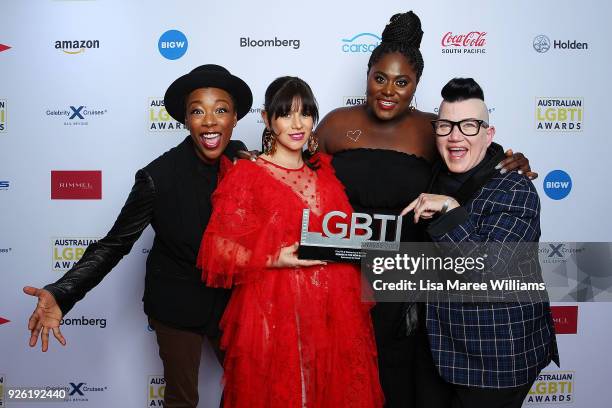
(287, 258)
(47, 315)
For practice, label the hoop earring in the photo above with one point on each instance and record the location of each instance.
(313, 143)
(268, 142)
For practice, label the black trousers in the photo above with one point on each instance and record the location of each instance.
(396, 355)
(434, 392)
(180, 352)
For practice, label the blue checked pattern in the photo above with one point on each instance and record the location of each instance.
(494, 345)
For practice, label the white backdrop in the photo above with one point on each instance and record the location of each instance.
(117, 71)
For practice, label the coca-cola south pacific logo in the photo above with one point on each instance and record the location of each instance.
(474, 42)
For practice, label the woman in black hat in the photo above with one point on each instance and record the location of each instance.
(172, 194)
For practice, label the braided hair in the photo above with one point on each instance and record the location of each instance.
(402, 34)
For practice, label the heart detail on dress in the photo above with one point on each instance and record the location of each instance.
(353, 134)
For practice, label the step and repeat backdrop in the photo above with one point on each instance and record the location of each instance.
(81, 97)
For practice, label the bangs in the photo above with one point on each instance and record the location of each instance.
(291, 96)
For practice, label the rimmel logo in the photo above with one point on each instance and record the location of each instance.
(470, 43)
(565, 318)
(4, 47)
(76, 185)
(172, 44)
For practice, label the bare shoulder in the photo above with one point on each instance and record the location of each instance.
(333, 125)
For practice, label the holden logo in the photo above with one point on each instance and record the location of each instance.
(541, 43)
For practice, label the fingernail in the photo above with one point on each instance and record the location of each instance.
(499, 166)
(253, 159)
(520, 172)
(503, 171)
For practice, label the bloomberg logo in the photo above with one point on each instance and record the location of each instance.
(246, 42)
(172, 44)
(542, 44)
(557, 184)
(362, 42)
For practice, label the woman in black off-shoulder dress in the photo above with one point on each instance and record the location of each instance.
(382, 152)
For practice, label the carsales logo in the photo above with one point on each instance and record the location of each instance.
(76, 185)
(473, 42)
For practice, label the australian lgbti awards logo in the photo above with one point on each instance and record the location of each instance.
(73, 47)
(158, 118)
(565, 318)
(76, 115)
(2, 378)
(156, 387)
(555, 114)
(360, 43)
(552, 387)
(3, 104)
(353, 100)
(172, 44)
(76, 184)
(65, 252)
(473, 42)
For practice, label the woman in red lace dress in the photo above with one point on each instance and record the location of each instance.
(296, 333)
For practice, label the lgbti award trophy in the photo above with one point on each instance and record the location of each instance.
(355, 234)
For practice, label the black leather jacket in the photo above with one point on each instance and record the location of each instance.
(172, 194)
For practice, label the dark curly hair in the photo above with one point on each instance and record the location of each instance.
(402, 34)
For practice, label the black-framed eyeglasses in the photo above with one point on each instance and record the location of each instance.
(469, 127)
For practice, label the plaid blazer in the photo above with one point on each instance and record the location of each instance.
(492, 345)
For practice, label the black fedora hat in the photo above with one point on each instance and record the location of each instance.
(207, 76)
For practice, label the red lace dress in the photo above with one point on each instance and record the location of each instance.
(296, 337)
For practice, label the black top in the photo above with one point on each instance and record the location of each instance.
(383, 182)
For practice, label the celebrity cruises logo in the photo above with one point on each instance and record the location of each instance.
(473, 42)
(67, 251)
(361, 43)
(3, 104)
(77, 115)
(76, 185)
(73, 47)
(158, 118)
(559, 114)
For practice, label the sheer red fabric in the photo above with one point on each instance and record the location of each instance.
(293, 337)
